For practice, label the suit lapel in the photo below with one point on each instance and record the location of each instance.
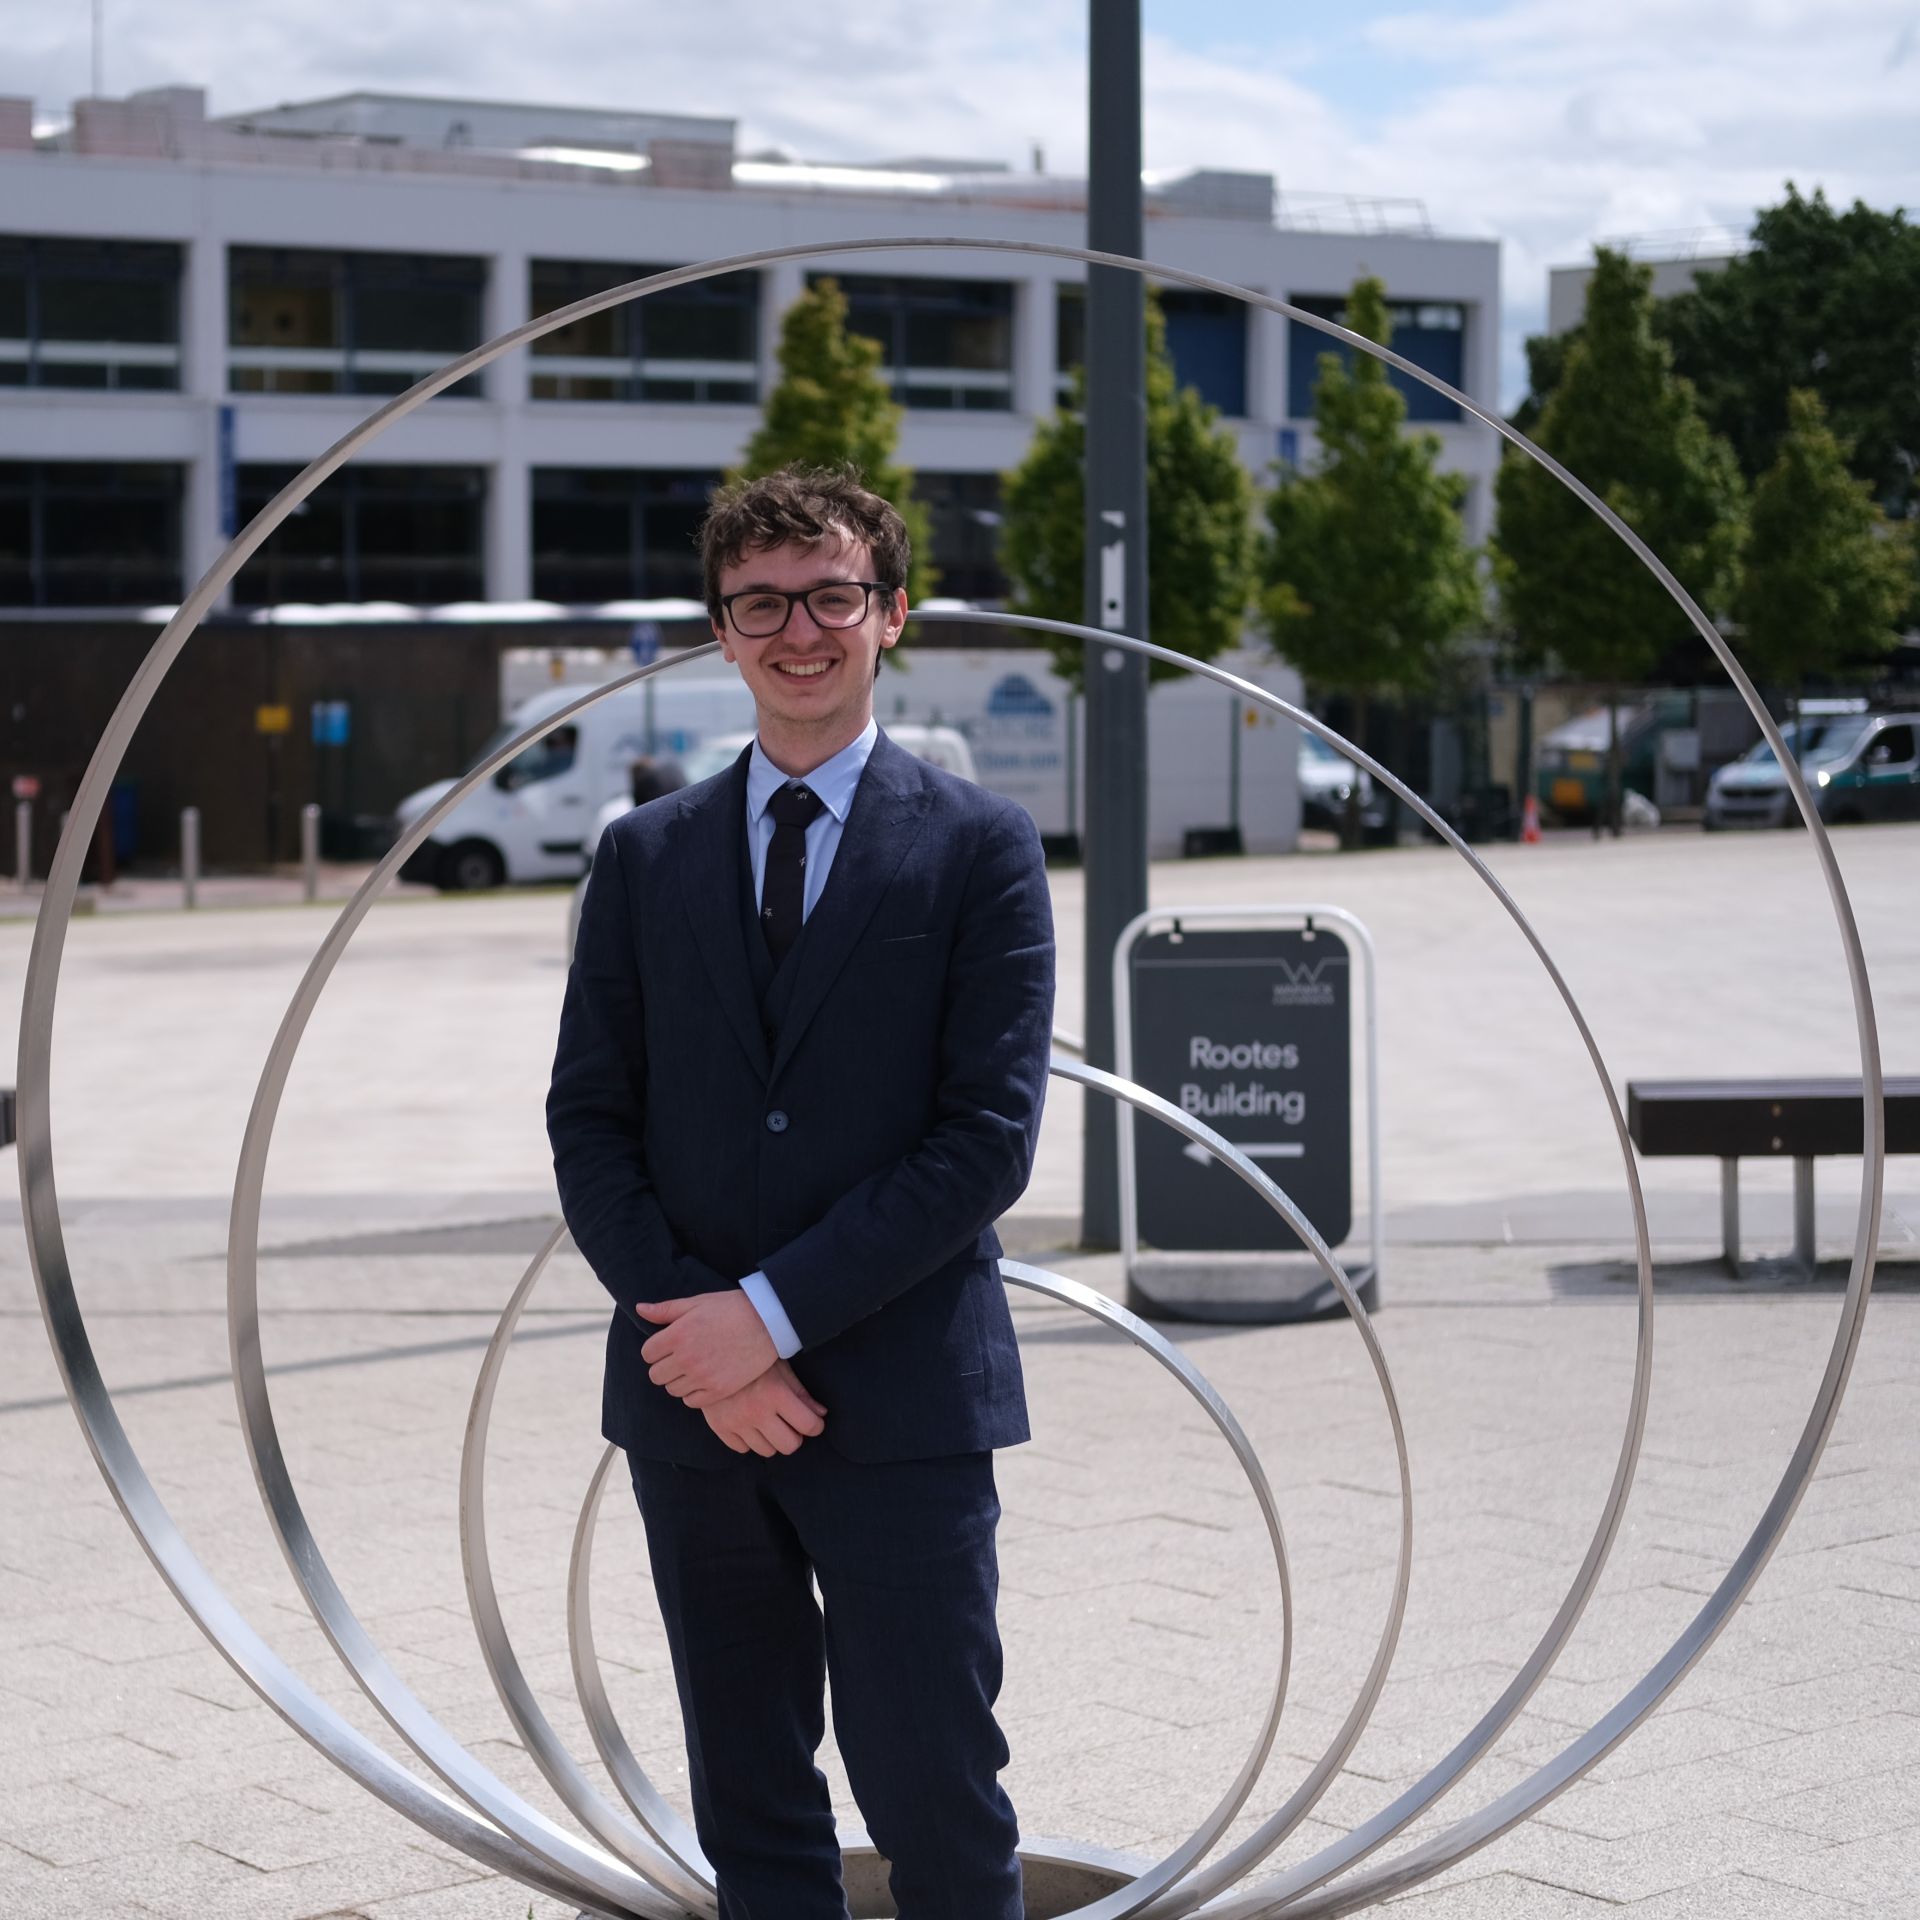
(888, 811)
(711, 884)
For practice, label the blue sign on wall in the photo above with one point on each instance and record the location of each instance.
(332, 722)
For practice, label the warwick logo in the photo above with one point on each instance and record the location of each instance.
(1302, 983)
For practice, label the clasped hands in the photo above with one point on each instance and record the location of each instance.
(713, 1351)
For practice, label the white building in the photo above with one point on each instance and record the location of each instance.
(191, 309)
(1678, 261)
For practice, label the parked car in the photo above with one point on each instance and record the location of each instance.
(942, 747)
(1861, 767)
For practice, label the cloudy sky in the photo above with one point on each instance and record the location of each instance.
(1548, 123)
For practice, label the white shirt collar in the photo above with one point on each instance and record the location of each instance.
(832, 782)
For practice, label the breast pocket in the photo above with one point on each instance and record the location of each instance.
(894, 950)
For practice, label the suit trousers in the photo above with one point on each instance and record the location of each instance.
(903, 1553)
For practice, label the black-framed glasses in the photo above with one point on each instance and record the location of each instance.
(758, 613)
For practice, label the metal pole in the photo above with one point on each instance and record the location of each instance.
(1523, 755)
(1115, 837)
(1805, 1250)
(190, 855)
(23, 841)
(310, 849)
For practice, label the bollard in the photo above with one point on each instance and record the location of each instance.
(310, 849)
(23, 841)
(190, 854)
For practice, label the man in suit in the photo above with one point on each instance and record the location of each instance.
(799, 1075)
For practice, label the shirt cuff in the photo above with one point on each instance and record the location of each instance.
(766, 1303)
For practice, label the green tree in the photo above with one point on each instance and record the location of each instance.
(1200, 520)
(1826, 576)
(831, 407)
(1366, 574)
(1823, 300)
(1623, 422)
(1546, 362)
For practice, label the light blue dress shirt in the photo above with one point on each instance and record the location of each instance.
(832, 783)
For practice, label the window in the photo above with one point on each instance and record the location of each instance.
(944, 344)
(545, 760)
(1206, 340)
(696, 343)
(963, 511)
(89, 313)
(1432, 334)
(1069, 338)
(412, 534)
(302, 320)
(618, 533)
(77, 534)
(1892, 747)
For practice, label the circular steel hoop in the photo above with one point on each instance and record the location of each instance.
(330, 1607)
(657, 1818)
(630, 1776)
(632, 1779)
(155, 1528)
(661, 1848)
(410, 1718)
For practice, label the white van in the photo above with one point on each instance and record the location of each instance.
(1222, 771)
(536, 818)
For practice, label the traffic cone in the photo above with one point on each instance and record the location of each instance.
(1530, 822)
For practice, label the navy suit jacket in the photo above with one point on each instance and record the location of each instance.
(860, 1161)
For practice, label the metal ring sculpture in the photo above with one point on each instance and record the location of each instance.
(651, 1869)
(664, 1827)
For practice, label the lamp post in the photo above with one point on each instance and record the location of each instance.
(1115, 840)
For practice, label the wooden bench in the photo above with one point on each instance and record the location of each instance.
(1735, 1120)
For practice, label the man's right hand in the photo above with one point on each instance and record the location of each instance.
(770, 1415)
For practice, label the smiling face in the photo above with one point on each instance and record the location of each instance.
(812, 686)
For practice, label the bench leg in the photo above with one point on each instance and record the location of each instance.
(1730, 1215)
(1803, 1214)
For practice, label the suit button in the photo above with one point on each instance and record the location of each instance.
(777, 1121)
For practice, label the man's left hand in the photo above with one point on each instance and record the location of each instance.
(709, 1346)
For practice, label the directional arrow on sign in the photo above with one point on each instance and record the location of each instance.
(1253, 1149)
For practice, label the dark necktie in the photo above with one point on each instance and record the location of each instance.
(783, 892)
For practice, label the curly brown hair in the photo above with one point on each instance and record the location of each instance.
(801, 506)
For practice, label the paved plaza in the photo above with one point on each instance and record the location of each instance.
(409, 1183)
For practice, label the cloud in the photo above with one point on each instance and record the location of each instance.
(1564, 124)
(1549, 123)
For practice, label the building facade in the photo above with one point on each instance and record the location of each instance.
(192, 309)
(1677, 260)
